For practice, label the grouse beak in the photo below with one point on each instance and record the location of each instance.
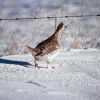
(65, 26)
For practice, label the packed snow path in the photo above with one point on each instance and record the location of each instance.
(76, 77)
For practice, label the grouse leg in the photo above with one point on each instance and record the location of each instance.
(36, 65)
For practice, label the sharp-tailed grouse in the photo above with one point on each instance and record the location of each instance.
(48, 48)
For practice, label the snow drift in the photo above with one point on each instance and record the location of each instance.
(76, 77)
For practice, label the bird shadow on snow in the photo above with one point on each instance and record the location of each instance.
(14, 62)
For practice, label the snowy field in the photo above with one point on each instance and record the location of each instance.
(76, 77)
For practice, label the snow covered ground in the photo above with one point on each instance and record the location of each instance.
(76, 77)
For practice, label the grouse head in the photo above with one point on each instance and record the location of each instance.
(61, 27)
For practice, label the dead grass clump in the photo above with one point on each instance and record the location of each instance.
(12, 47)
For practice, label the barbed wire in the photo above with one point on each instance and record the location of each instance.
(51, 17)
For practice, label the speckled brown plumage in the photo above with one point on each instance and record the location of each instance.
(47, 46)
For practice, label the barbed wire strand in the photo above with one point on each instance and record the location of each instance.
(26, 18)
